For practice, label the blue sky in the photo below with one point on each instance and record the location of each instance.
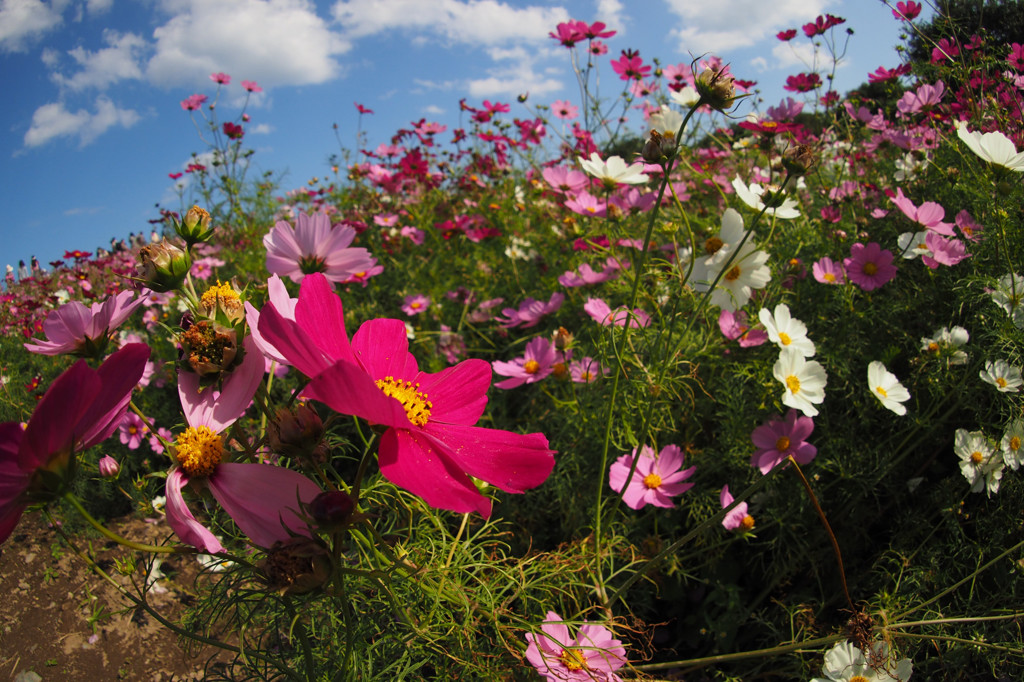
(92, 124)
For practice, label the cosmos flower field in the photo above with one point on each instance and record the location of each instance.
(699, 396)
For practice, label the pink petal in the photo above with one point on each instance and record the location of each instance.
(218, 411)
(382, 348)
(51, 428)
(348, 389)
(291, 341)
(320, 314)
(120, 373)
(262, 499)
(513, 462)
(180, 518)
(459, 393)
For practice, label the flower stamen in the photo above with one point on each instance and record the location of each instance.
(417, 407)
(199, 450)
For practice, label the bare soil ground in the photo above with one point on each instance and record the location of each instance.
(61, 622)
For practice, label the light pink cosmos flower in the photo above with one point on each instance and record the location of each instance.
(251, 86)
(869, 266)
(155, 442)
(587, 370)
(537, 363)
(74, 329)
(926, 97)
(414, 304)
(594, 654)
(530, 312)
(734, 326)
(565, 180)
(314, 245)
(585, 274)
(585, 203)
(220, 78)
(262, 499)
(738, 519)
(202, 268)
(943, 251)
(655, 481)
(778, 439)
(132, 430)
(929, 214)
(431, 446)
(81, 408)
(827, 271)
(969, 227)
(602, 313)
(564, 110)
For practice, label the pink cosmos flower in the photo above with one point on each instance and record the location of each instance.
(364, 276)
(826, 271)
(537, 363)
(943, 251)
(907, 11)
(564, 110)
(656, 480)
(929, 214)
(602, 313)
(220, 78)
(1016, 56)
(585, 203)
(251, 86)
(530, 312)
(594, 654)
(81, 408)
(777, 439)
(414, 304)
(193, 102)
(314, 245)
(202, 268)
(587, 370)
(869, 266)
(155, 442)
(431, 446)
(734, 326)
(132, 430)
(262, 499)
(76, 330)
(738, 518)
(585, 274)
(285, 305)
(925, 98)
(414, 234)
(564, 179)
(969, 227)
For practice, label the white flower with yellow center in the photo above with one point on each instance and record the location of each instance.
(1001, 374)
(614, 171)
(846, 663)
(1009, 295)
(912, 245)
(786, 331)
(803, 379)
(1011, 444)
(947, 342)
(980, 463)
(753, 195)
(887, 388)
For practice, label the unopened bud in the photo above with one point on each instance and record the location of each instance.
(296, 432)
(162, 266)
(716, 89)
(296, 566)
(109, 467)
(331, 508)
(195, 226)
(799, 159)
(658, 147)
(563, 338)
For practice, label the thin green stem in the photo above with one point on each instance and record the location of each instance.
(111, 535)
(693, 663)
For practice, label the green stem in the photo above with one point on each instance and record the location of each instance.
(111, 535)
(693, 663)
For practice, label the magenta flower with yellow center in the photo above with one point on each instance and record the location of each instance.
(656, 480)
(81, 408)
(430, 445)
(262, 499)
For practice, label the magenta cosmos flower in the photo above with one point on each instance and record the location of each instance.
(81, 408)
(537, 363)
(262, 499)
(778, 439)
(656, 480)
(593, 654)
(74, 329)
(869, 266)
(430, 446)
(314, 245)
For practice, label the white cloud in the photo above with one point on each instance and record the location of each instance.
(274, 42)
(610, 12)
(98, 6)
(24, 19)
(260, 129)
(716, 27)
(789, 54)
(433, 110)
(54, 120)
(104, 67)
(480, 22)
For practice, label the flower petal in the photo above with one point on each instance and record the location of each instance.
(180, 518)
(514, 462)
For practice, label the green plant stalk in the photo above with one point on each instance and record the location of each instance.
(694, 663)
(111, 535)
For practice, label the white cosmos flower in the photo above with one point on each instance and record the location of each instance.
(786, 331)
(751, 196)
(686, 97)
(1008, 295)
(1002, 375)
(980, 463)
(614, 171)
(887, 388)
(912, 245)
(804, 381)
(666, 121)
(1011, 442)
(846, 663)
(993, 147)
(947, 342)
(744, 273)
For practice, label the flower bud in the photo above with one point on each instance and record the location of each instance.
(296, 432)
(109, 467)
(716, 89)
(799, 159)
(562, 338)
(331, 508)
(162, 266)
(296, 566)
(195, 226)
(658, 147)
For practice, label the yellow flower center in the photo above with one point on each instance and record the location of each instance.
(977, 457)
(417, 407)
(572, 659)
(360, 274)
(225, 295)
(784, 339)
(133, 429)
(933, 347)
(1015, 443)
(712, 245)
(858, 678)
(830, 277)
(531, 367)
(922, 247)
(782, 444)
(793, 383)
(652, 481)
(881, 391)
(747, 523)
(559, 370)
(734, 273)
(1000, 382)
(199, 450)
(870, 269)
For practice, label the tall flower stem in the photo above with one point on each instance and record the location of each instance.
(111, 535)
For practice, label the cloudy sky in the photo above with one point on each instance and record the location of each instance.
(92, 126)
